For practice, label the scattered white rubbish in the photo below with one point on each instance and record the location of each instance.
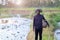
(14, 29)
(57, 34)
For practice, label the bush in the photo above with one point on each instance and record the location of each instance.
(54, 19)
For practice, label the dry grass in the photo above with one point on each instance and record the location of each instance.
(30, 35)
(46, 33)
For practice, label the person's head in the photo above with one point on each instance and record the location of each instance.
(38, 11)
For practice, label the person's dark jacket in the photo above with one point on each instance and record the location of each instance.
(37, 21)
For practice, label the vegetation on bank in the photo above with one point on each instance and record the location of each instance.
(52, 17)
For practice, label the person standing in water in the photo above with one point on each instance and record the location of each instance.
(37, 24)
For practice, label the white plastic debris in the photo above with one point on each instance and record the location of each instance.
(14, 29)
(57, 34)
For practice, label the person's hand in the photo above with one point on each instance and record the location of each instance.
(33, 29)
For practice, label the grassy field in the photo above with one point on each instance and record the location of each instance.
(54, 8)
(6, 11)
(47, 32)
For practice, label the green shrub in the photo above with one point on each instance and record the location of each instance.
(54, 19)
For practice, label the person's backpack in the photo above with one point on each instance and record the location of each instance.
(44, 24)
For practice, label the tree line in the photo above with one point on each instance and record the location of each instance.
(31, 3)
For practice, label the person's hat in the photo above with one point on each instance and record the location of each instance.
(40, 10)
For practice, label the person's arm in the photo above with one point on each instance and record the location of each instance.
(33, 24)
(45, 21)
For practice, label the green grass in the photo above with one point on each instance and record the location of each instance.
(46, 37)
(53, 18)
(49, 16)
(55, 8)
(17, 8)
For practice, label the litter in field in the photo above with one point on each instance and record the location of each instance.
(14, 28)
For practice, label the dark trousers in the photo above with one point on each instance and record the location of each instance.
(38, 31)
